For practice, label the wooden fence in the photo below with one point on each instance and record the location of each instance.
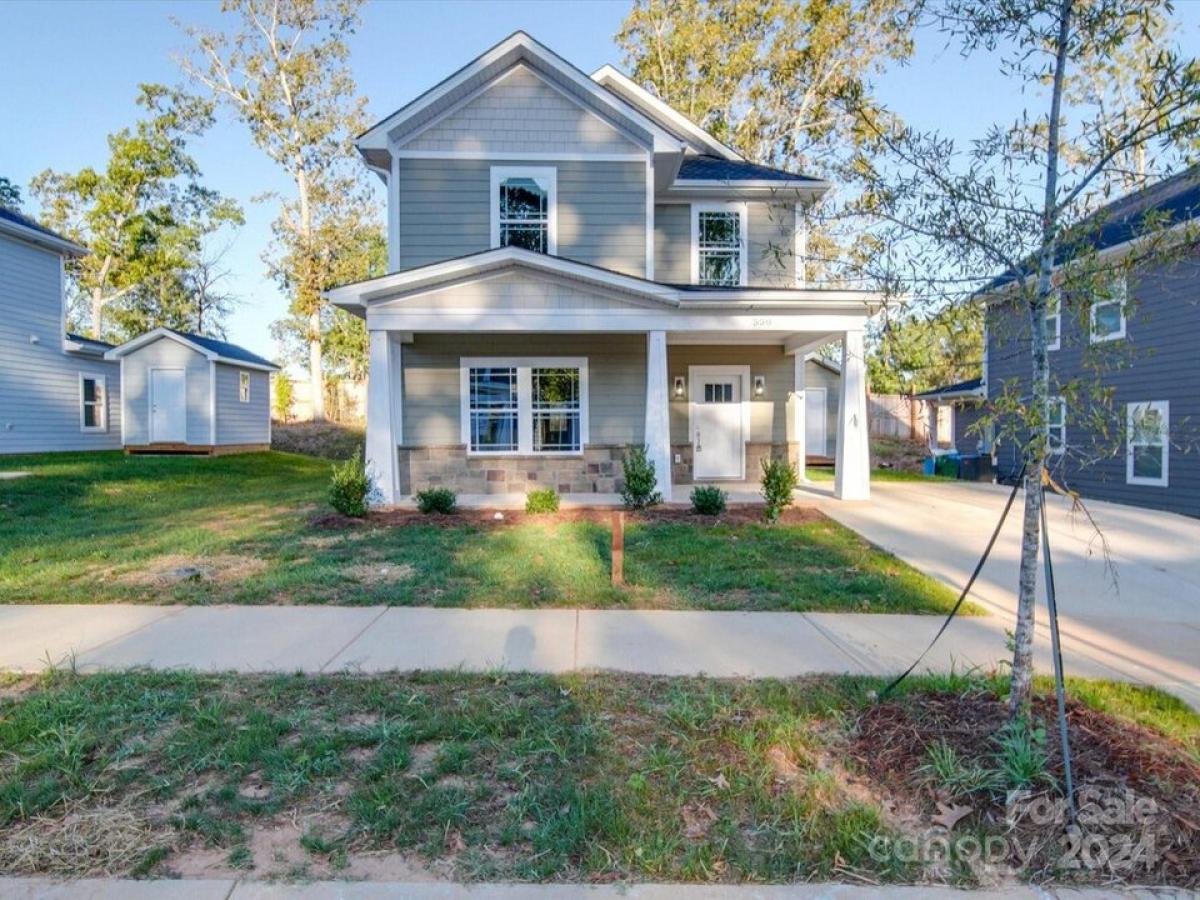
(898, 416)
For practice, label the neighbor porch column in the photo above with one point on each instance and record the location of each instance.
(852, 478)
(384, 393)
(658, 420)
(796, 422)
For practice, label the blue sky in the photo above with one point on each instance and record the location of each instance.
(72, 69)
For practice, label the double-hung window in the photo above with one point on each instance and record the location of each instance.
(524, 208)
(1148, 450)
(1108, 312)
(1053, 322)
(243, 387)
(1056, 425)
(719, 244)
(524, 405)
(92, 403)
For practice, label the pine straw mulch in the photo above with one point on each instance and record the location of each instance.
(734, 514)
(892, 740)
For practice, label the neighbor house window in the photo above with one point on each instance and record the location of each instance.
(92, 403)
(1053, 323)
(244, 387)
(523, 208)
(524, 405)
(1056, 425)
(1108, 313)
(719, 244)
(1147, 445)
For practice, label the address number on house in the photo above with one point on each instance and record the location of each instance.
(760, 323)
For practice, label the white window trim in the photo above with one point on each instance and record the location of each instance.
(742, 209)
(1057, 317)
(547, 178)
(243, 379)
(524, 366)
(1164, 410)
(1120, 332)
(1062, 429)
(101, 405)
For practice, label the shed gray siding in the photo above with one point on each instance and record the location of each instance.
(445, 210)
(616, 381)
(39, 382)
(770, 250)
(166, 354)
(1162, 332)
(816, 375)
(238, 422)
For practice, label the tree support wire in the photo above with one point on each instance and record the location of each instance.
(1056, 653)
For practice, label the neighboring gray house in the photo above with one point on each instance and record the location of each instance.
(56, 390)
(189, 393)
(964, 405)
(574, 267)
(1145, 337)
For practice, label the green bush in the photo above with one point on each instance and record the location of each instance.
(640, 483)
(708, 500)
(779, 479)
(350, 486)
(544, 500)
(437, 500)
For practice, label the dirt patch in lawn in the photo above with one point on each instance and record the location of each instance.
(178, 569)
(96, 842)
(375, 573)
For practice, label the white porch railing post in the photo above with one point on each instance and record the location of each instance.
(796, 419)
(852, 479)
(658, 421)
(384, 394)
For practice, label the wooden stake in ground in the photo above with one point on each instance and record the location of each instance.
(618, 549)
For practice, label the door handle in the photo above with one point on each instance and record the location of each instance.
(698, 447)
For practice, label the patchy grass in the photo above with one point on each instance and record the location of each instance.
(92, 528)
(502, 777)
(327, 440)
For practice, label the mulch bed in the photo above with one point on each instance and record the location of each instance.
(734, 514)
(891, 746)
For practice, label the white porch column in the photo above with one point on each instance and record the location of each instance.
(384, 393)
(796, 410)
(658, 420)
(852, 479)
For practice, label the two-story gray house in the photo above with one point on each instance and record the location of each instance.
(1138, 342)
(574, 268)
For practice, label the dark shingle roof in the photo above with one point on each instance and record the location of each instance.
(969, 386)
(79, 338)
(712, 168)
(1169, 202)
(17, 218)
(224, 348)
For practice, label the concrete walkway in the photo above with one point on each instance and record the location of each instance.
(1136, 612)
(97, 889)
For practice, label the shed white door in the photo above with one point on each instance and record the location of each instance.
(815, 417)
(717, 443)
(168, 406)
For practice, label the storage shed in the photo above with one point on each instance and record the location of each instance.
(186, 393)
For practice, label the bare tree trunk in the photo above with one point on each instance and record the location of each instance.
(98, 313)
(315, 372)
(316, 375)
(1021, 691)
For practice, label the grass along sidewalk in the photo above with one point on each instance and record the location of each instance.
(584, 778)
(95, 528)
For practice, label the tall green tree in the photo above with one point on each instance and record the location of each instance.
(10, 194)
(914, 353)
(280, 66)
(144, 217)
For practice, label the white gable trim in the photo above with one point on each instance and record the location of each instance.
(151, 336)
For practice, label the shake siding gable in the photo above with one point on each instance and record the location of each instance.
(39, 383)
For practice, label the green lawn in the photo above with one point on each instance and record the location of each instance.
(511, 777)
(105, 527)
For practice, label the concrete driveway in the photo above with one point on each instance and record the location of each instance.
(1128, 591)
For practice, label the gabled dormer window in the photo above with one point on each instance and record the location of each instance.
(719, 244)
(523, 208)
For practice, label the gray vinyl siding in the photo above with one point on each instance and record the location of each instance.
(616, 381)
(1155, 361)
(238, 422)
(39, 382)
(770, 249)
(966, 416)
(816, 375)
(166, 354)
(445, 210)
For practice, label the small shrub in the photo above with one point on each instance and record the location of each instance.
(437, 500)
(350, 486)
(708, 500)
(640, 483)
(779, 479)
(544, 500)
(1021, 755)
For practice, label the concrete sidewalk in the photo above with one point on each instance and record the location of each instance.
(378, 639)
(98, 889)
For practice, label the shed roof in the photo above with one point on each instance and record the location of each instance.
(213, 349)
(972, 387)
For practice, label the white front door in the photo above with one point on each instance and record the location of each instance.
(168, 406)
(718, 447)
(814, 422)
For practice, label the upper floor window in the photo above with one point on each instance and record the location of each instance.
(1108, 312)
(523, 208)
(92, 405)
(1053, 323)
(719, 244)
